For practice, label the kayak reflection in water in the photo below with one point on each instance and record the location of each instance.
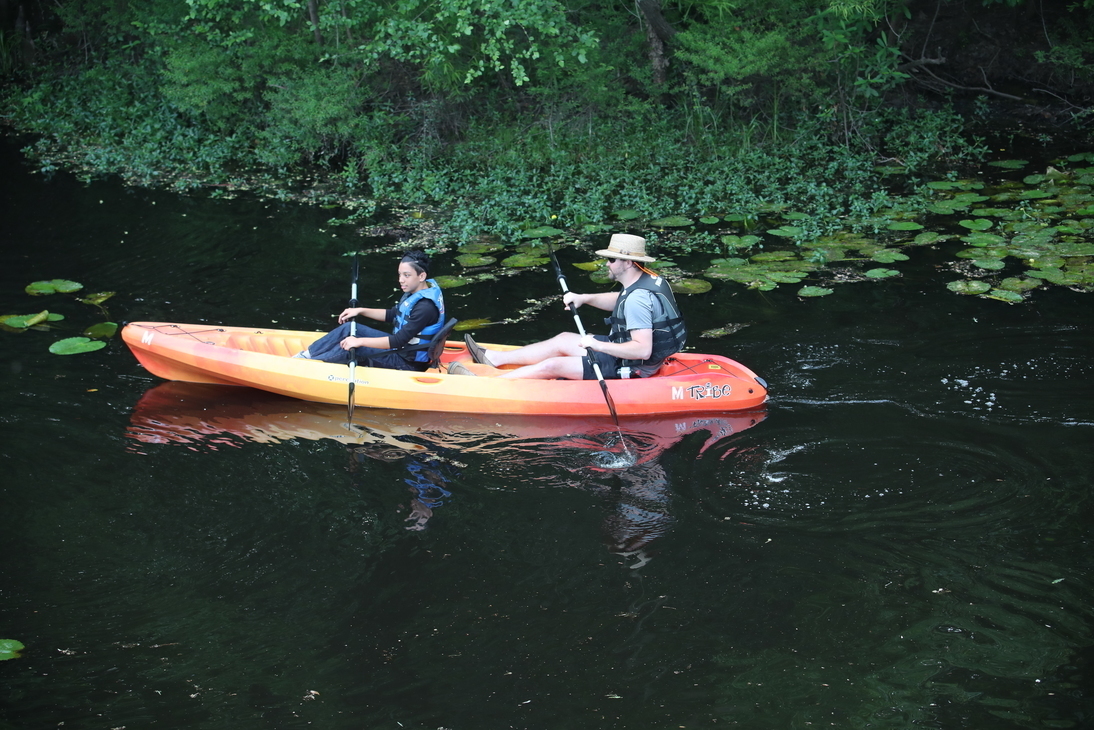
(427, 481)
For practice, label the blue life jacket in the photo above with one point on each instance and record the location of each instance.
(406, 304)
(669, 334)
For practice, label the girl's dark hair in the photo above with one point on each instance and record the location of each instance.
(418, 259)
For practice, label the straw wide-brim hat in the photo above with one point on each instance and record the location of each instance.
(626, 246)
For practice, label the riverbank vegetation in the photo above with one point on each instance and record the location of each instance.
(510, 120)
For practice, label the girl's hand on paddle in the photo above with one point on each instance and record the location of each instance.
(349, 313)
(589, 342)
(351, 342)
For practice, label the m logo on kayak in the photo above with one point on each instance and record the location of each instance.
(702, 392)
(146, 338)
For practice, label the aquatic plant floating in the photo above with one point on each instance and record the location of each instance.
(480, 247)
(1003, 295)
(691, 286)
(966, 286)
(97, 298)
(522, 260)
(786, 231)
(888, 256)
(672, 221)
(26, 321)
(75, 345)
(735, 242)
(473, 260)
(1009, 164)
(541, 232)
(904, 226)
(53, 286)
(814, 291)
(101, 331)
(452, 282)
(10, 648)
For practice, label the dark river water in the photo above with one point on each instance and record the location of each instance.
(902, 537)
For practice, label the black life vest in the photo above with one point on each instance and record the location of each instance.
(669, 334)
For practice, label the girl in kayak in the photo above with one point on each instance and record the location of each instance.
(417, 316)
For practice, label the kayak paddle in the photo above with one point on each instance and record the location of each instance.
(353, 350)
(592, 360)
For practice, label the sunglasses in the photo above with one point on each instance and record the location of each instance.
(611, 261)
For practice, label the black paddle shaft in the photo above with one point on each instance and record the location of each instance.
(353, 350)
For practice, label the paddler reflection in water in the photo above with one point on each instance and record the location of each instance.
(639, 512)
(427, 480)
(417, 316)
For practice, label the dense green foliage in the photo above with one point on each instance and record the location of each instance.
(503, 114)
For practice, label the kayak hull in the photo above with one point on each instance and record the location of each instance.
(262, 358)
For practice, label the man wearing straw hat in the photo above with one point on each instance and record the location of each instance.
(646, 327)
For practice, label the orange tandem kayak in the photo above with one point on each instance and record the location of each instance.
(262, 358)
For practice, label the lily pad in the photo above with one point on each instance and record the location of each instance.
(979, 238)
(814, 291)
(1009, 164)
(710, 220)
(775, 256)
(97, 298)
(786, 231)
(785, 277)
(1075, 248)
(672, 221)
(10, 648)
(928, 238)
(471, 260)
(733, 242)
(881, 273)
(979, 224)
(724, 268)
(588, 265)
(541, 232)
(522, 260)
(989, 264)
(968, 286)
(101, 331)
(25, 321)
(480, 247)
(75, 345)
(451, 282)
(53, 286)
(942, 208)
(904, 226)
(690, 286)
(888, 256)
(627, 214)
(1018, 284)
(1004, 295)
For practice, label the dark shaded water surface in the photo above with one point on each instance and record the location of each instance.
(902, 537)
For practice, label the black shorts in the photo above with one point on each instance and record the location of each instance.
(609, 366)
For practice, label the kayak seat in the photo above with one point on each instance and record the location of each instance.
(436, 343)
